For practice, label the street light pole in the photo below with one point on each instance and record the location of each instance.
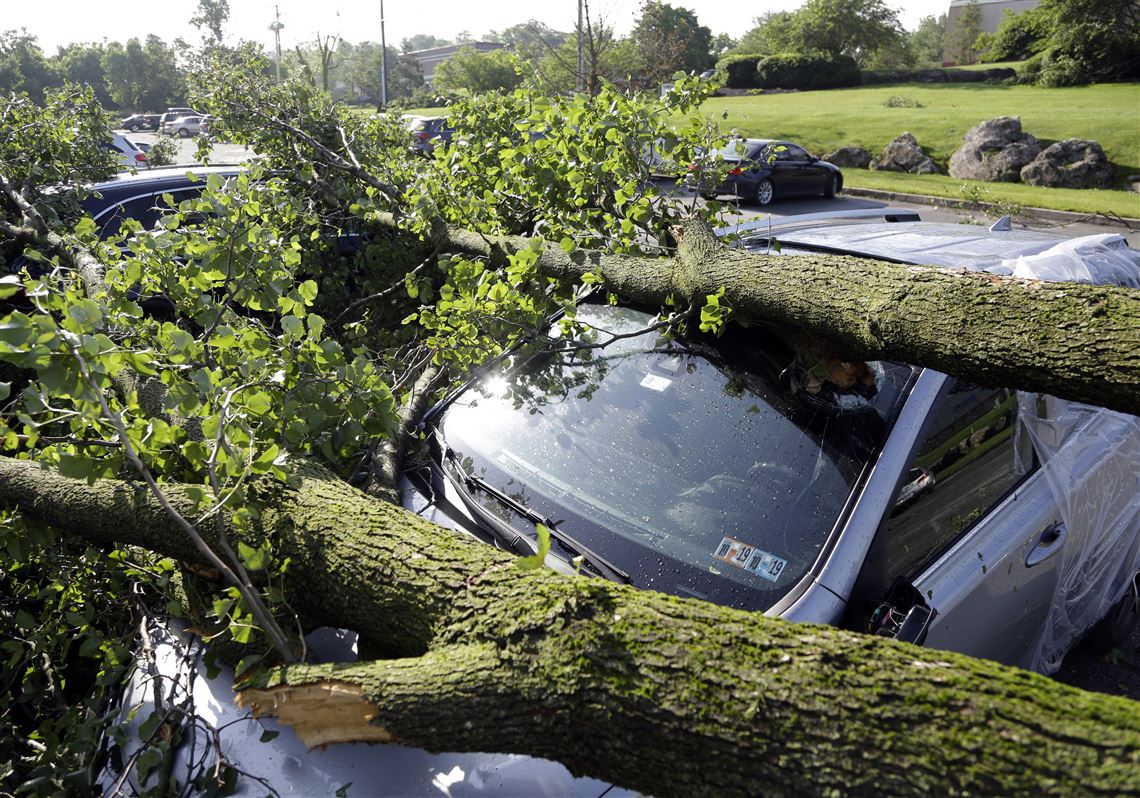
(581, 55)
(383, 61)
(276, 27)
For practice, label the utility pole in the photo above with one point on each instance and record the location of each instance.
(276, 27)
(383, 61)
(581, 52)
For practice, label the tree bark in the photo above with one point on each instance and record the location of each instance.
(1074, 341)
(666, 695)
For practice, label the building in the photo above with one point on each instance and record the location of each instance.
(432, 57)
(992, 13)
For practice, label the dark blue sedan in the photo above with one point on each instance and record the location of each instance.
(762, 170)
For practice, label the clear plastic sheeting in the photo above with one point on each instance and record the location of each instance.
(1101, 259)
(1090, 458)
(1091, 461)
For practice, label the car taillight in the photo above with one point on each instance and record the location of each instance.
(736, 171)
(422, 136)
(140, 157)
(692, 167)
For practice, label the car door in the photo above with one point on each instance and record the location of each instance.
(800, 173)
(971, 546)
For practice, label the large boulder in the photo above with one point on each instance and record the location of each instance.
(1072, 163)
(994, 151)
(904, 155)
(849, 157)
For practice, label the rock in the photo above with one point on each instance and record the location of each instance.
(849, 157)
(904, 155)
(994, 150)
(1072, 163)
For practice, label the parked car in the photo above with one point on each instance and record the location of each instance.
(130, 155)
(174, 112)
(137, 122)
(743, 484)
(183, 126)
(140, 196)
(428, 132)
(869, 503)
(763, 170)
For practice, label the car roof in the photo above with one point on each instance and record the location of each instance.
(126, 186)
(953, 245)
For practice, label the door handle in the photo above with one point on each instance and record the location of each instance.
(1049, 542)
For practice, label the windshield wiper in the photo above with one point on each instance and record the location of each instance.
(597, 562)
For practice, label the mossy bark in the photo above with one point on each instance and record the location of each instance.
(1078, 342)
(666, 695)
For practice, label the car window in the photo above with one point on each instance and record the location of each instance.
(702, 468)
(971, 456)
(794, 153)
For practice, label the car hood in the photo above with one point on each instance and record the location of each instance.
(284, 764)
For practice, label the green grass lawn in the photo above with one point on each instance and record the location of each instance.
(825, 120)
(1112, 203)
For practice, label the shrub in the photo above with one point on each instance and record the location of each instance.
(738, 71)
(794, 71)
(163, 152)
(898, 101)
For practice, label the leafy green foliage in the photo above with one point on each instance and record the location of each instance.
(475, 71)
(68, 612)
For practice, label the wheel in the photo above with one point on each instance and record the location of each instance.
(832, 187)
(764, 192)
(708, 195)
(133, 128)
(183, 133)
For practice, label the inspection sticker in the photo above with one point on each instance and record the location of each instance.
(742, 555)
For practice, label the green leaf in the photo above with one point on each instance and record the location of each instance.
(308, 291)
(567, 245)
(254, 559)
(538, 558)
(9, 285)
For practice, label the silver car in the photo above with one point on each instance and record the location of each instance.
(877, 496)
(183, 126)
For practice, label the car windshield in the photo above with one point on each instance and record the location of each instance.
(704, 468)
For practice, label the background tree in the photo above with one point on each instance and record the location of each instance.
(671, 39)
(856, 28)
(83, 64)
(471, 70)
(927, 41)
(23, 66)
(320, 61)
(422, 41)
(963, 35)
(772, 32)
(211, 18)
(531, 40)
(1089, 41)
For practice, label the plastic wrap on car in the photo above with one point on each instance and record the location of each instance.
(1090, 458)
(1101, 259)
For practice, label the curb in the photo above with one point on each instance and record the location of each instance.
(1064, 217)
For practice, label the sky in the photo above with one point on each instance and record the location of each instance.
(57, 22)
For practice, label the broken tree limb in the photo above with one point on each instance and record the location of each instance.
(1078, 342)
(666, 695)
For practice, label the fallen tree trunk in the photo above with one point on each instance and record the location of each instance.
(666, 695)
(1078, 342)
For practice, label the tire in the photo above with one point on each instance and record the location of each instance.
(183, 133)
(133, 128)
(832, 187)
(764, 192)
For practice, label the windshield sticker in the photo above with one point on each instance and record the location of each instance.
(655, 383)
(741, 555)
